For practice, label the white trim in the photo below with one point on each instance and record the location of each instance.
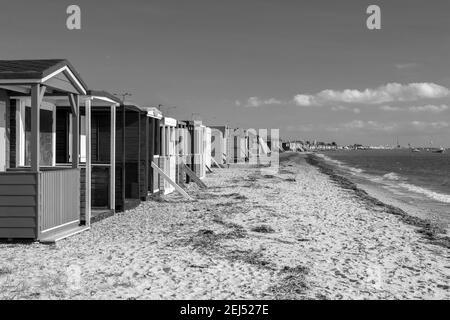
(105, 99)
(54, 136)
(65, 68)
(61, 225)
(112, 172)
(88, 162)
(20, 133)
(169, 122)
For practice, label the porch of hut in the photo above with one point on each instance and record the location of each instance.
(219, 143)
(237, 146)
(39, 199)
(190, 146)
(101, 127)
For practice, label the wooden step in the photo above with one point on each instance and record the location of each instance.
(52, 239)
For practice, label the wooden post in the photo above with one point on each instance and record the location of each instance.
(35, 128)
(124, 113)
(170, 181)
(37, 95)
(147, 154)
(87, 105)
(163, 140)
(151, 147)
(139, 155)
(215, 162)
(194, 177)
(74, 101)
(112, 168)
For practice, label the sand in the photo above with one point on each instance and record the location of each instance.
(296, 234)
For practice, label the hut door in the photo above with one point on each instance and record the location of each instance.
(2, 136)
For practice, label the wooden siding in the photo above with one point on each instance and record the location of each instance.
(101, 137)
(132, 155)
(144, 154)
(132, 135)
(18, 205)
(60, 196)
(119, 192)
(100, 186)
(151, 152)
(120, 174)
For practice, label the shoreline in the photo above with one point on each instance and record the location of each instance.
(431, 231)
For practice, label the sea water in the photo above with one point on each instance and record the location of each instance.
(417, 179)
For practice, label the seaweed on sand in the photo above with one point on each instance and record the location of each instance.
(236, 196)
(263, 229)
(250, 257)
(5, 271)
(293, 284)
(207, 240)
(238, 231)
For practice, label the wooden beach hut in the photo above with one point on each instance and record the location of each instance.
(182, 150)
(154, 117)
(199, 146)
(237, 145)
(138, 144)
(219, 142)
(168, 158)
(40, 199)
(207, 141)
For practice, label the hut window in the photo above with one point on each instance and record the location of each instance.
(46, 137)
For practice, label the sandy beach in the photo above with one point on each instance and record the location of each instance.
(297, 234)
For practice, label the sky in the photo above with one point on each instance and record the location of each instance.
(309, 68)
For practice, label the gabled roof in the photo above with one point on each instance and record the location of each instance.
(38, 71)
(104, 94)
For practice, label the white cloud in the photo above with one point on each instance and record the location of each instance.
(237, 103)
(389, 108)
(386, 93)
(439, 125)
(362, 126)
(257, 102)
(305, 100)
(429, 108)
